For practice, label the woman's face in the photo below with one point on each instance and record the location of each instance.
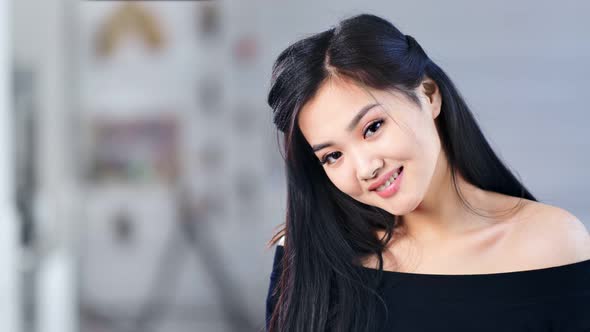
(353, 144)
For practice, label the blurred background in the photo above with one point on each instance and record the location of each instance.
(141, 176)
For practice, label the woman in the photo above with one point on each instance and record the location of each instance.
(400, 216)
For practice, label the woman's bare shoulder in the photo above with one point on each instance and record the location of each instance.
(547, 235)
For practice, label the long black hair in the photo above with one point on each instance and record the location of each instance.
(326, 232)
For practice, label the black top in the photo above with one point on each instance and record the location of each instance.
(550, 300)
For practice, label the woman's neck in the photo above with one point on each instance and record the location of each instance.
(442, 214)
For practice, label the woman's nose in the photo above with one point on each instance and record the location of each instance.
(369, 169)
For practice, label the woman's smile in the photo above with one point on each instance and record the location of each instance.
(390, 187)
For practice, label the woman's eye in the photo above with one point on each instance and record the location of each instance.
(374, 127)
(328, 156)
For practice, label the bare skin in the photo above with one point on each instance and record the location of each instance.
(528, 235)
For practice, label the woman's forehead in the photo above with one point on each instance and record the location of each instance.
(335, 100)
(338, 101)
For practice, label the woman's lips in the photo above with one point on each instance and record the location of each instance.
(393, 187)
(383, 179)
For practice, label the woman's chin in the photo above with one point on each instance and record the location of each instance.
(400, 207)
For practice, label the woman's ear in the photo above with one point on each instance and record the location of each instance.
(433, 99)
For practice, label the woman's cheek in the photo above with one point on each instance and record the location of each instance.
(344, 185)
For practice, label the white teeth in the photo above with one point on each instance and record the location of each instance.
(388, 182)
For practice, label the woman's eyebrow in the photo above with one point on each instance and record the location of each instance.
(353, 123)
